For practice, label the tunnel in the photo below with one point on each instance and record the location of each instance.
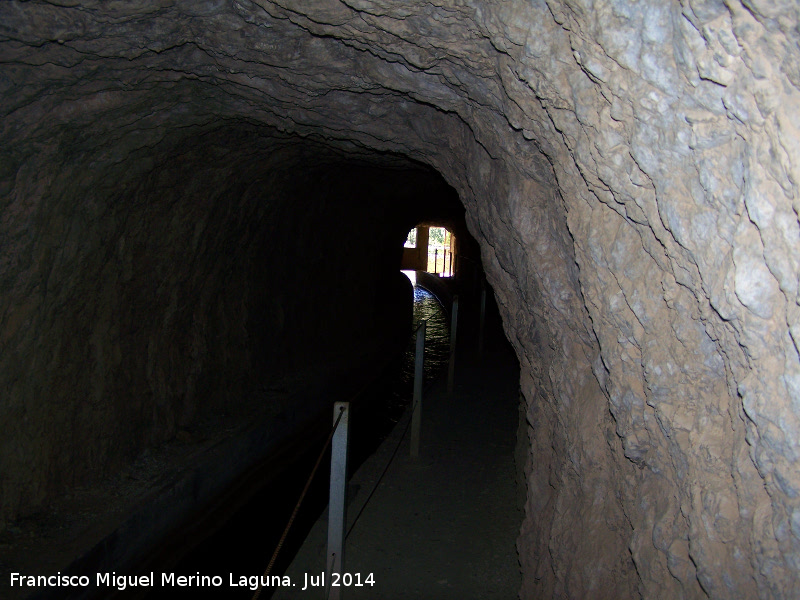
(193, 193)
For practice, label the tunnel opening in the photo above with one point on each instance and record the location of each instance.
(443, 243)
(431, 249)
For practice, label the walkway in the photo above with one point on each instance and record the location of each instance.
(442, 526)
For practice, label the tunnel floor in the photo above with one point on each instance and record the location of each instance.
(443, 525)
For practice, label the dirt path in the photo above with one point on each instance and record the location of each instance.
(444, 525)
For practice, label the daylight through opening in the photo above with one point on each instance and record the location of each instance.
(432, 249)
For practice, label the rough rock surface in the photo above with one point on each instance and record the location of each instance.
(630, 170)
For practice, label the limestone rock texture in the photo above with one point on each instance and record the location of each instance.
(630, 170)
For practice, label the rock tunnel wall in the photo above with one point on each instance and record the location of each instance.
(630, 170)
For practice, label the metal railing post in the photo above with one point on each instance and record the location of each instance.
(451, 368)
(416, 415)
(337, 504)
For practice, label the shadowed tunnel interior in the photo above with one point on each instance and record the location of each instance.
(224, 260)
(204, 201)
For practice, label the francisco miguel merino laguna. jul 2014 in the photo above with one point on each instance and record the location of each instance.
(122, 582)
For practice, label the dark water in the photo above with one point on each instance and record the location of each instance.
(397, 383)
(437, 337)
(248, 537)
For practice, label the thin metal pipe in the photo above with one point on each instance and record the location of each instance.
(337, 503)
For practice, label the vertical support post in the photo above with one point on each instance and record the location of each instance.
(451, 264)
(451, 367)
(337, 503)
(416, 415)
(436, 260)
(483, 317)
